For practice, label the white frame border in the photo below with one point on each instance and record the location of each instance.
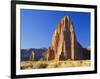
(51, 70)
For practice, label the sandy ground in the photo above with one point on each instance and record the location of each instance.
(54, 64)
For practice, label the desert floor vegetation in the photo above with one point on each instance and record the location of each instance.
(54, 64)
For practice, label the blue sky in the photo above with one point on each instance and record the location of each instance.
(38, 26)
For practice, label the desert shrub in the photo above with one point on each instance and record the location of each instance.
(56, 65)
(42, 65)
(81, 62)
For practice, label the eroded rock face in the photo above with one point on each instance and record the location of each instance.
(64, 44)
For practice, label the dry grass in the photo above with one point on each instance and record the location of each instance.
(54, 64)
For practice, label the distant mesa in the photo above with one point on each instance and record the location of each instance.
(32, 54)
(64, 43)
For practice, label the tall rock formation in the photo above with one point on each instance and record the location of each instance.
(64, 43)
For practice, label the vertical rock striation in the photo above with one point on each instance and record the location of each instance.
(64, 43)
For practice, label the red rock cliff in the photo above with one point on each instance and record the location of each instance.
(64, 43)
